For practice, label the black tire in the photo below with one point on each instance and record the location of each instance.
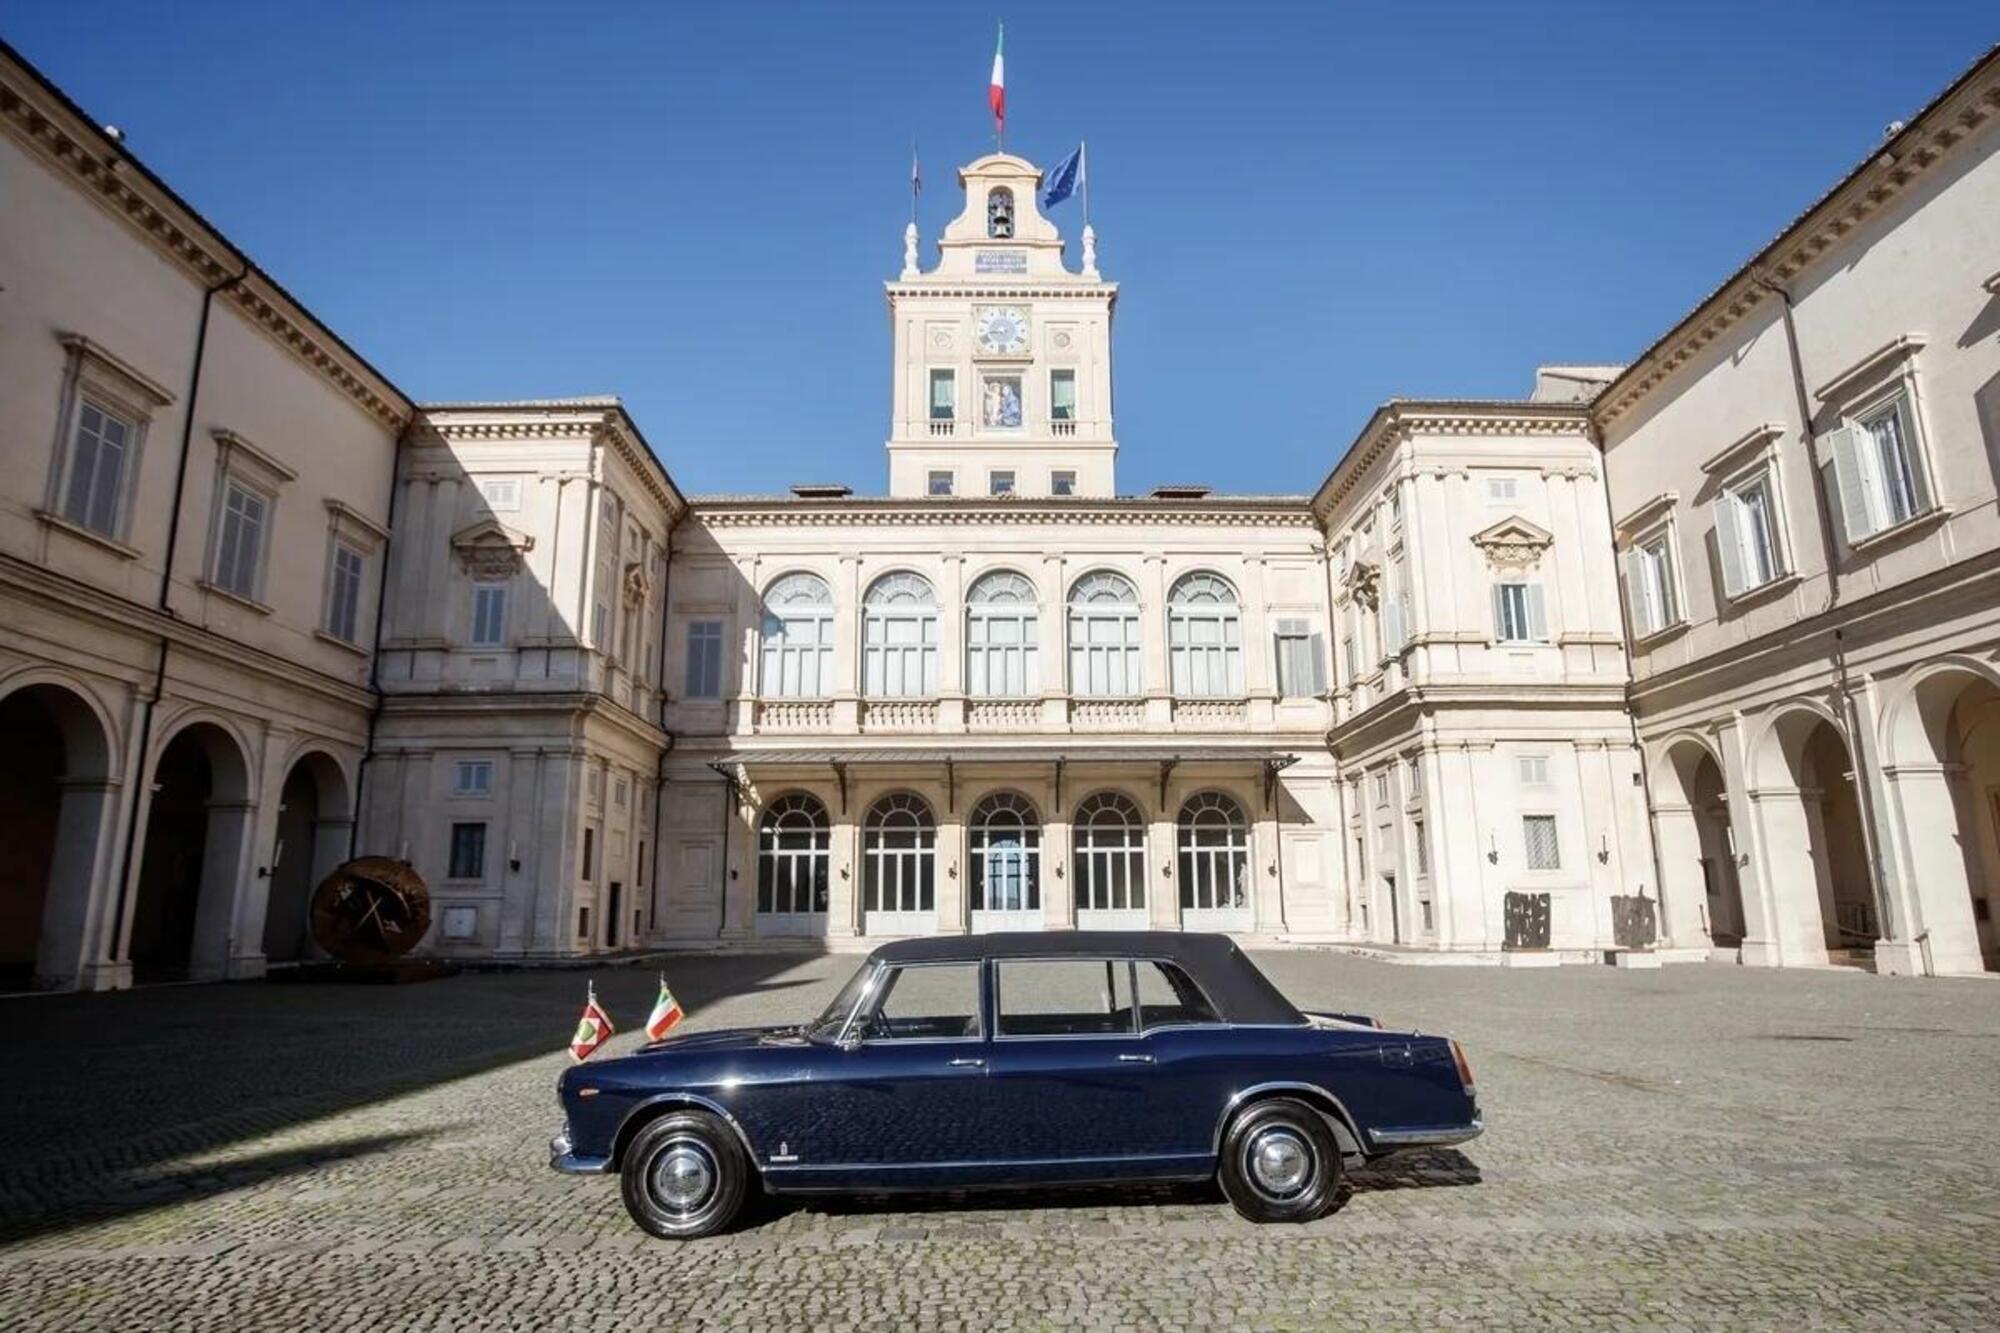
(684, 1176)
(1279, 1162)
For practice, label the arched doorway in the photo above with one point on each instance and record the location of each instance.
(312, 837)
(1704, 894)
(1943, 779)
(1816, 863)
(899, 879)
(54, 790)
(1214, 840)
(196, 825)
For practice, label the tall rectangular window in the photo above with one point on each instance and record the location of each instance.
(239, 550)
(1421, 845)
(98, 458)
(1518, 613)
(589, 852)
(1649, 585)
(472, 777)
(1538, 833)
(704, 660)
(1062, 395)
(489, 614)
(1878, 470)
(343, 600)
(1301, 654)
(1381, 786)
(944, 395)
(1746, 534)
(468, 851)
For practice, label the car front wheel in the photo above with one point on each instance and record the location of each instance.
(1279, 1162)
(684, 1176)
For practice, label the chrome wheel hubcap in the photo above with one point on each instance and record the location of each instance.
(683, 1176)
(1280, 1162)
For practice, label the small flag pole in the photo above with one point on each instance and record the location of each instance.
(1083, 169)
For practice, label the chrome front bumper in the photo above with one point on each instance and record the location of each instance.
(563, 1158)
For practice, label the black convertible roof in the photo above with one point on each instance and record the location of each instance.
(1231, 981)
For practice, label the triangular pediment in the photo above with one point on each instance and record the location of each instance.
(1514, 541)
(491, 549)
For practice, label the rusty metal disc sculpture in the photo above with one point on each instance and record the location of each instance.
(371, 910)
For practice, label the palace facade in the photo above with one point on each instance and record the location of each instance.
(1696, 656)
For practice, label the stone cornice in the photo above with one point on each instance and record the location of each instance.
(779, 513)
(1403, 419)
(1086, 289)
(37, 114)
(1889, 171)
(605, 423)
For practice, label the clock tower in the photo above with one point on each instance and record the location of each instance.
(1002, 355)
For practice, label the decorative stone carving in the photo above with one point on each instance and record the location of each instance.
(490, 549)
(1514, 543)
(637, 585)
(1364, 584)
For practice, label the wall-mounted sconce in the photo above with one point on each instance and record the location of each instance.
(1492, 850)
(951, 871)
(1272, 870)
(1603, 850)
(514, 855)
(263, 872)
(732, 873)
(1166, 870)
(1058, 870)
(843, 872)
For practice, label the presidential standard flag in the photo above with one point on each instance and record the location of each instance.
(666, 1012)
(1064, 179)
(592, 1031)
(996, 91)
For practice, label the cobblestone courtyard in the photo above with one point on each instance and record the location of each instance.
(1700, 1146)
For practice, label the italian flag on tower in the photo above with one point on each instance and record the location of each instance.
(996, 92)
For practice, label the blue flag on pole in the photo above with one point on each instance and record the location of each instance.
(1064, 179)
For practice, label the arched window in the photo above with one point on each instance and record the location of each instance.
(1205, 637)
(1000, 213)
(1104, 636)
(1214, 842)
(798, 638)
(1006, 848)
(899, 634)
(1002, 649)
(792, 843)
(1108, 839)
(899, 872)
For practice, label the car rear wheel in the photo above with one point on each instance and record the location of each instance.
(684, 1176)
(1279, 1162)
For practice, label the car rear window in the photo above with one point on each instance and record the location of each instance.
(1167, 998)
(1064, 997)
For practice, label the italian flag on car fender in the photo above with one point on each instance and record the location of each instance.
(592, 1030)
(666, 1012)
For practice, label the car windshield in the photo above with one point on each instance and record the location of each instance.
(831, 1019)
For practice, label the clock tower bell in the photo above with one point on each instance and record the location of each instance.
(1002, 355)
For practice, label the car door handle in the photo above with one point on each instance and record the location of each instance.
(966, 1062)
(1131, 1059)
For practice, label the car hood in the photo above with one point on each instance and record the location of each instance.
(725, 1039)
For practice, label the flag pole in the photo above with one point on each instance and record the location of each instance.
(915, 186)
(1083, 169)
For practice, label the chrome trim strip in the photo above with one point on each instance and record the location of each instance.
(1222, 1121)
(993, 1161)
(1428, 1136)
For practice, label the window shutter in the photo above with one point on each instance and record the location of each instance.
(1317, 664)
(1638, 594)
(1729, 543)
(1860, 501)
(1392, 627)
(1538, 619)
(1499, 614)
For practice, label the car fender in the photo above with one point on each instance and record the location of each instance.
(653, 1107)
(1346, 1132)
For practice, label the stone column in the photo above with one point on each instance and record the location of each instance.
(1794, 874)
(844, 901)
(1683, 893)
(523, 864)
(1058, 870)
(1052, 622)
(1260, 667)
(1934, 805)
(847, 647)
(225, 867)
(739, 891)
(951, 644)
(749, 634)
(951, 872)
(80, 880)
(1154, 669)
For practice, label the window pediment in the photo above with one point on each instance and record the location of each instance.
(491, 549)
(1742, 447)
(1514, 542)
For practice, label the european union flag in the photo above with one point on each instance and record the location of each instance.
(1063, 180)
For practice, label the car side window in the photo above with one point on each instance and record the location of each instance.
(1167, 998)
(1064, 997)
(928, 1001)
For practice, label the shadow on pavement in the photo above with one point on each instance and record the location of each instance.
(70, 1202)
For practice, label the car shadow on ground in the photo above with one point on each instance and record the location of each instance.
(1442, 1168)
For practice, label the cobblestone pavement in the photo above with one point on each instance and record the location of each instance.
(1694, 1147)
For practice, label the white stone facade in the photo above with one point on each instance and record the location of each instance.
(260, 611)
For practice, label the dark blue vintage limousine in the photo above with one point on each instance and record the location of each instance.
(1031, 1059)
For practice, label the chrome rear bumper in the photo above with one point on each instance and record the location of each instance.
(1427, 1136)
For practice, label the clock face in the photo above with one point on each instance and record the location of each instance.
(1003, 329)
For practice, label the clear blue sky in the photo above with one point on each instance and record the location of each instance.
(1309, 207)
